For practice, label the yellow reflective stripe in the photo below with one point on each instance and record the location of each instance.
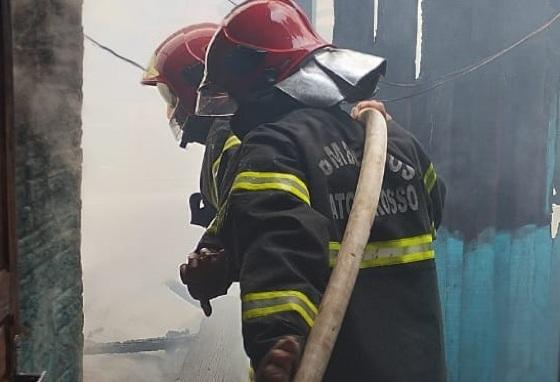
(215, 169)
(430, 178)
(263, 304)
(264, 181)
(231, 142)
(213, 227)
(279, 294)
(398, 243)
(262, 312)
(404, 259)
(401, 251)
(216, 166)
(218, 221)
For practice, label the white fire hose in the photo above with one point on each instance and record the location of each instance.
(341, 284)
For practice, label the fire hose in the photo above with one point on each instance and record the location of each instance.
(332, 309)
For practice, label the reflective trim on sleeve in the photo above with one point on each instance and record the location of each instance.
(266, 181)
(394, 252)
(262, 304)
(230, 143)
(430, 178)
(213, 227)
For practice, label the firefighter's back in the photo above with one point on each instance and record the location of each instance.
(392, 330)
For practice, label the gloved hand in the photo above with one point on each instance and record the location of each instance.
(202, 211)
(373, 104)
(206, 276)
(281, 362)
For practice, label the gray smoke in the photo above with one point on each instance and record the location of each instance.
(136, 183)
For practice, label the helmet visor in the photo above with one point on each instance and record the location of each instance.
(214, 102)
(176, 129)
(167, 94)
(172, 103)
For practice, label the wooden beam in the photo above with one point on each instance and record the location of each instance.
(8, 268)
(5, 298)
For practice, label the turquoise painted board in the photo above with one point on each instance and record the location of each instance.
(501, 305)
(493, 136)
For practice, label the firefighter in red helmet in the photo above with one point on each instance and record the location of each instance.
(176, 69)
(291, 192)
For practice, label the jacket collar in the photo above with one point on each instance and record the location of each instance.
(267, 107)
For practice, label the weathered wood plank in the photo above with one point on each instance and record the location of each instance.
(8, 269)
(5, 289)
(353, 27)
(218, 354)
(3, 354)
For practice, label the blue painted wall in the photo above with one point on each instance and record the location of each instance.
(501, 294)
(493, 136)
(501, 298)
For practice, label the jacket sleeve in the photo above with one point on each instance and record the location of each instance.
(279, 242)
(215, 171)
(215, 166)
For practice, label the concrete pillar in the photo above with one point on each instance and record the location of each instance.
(48, 53)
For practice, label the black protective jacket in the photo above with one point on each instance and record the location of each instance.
(291, 193)
(221, 145)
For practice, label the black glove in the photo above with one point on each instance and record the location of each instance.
(206, 276)
(202, 212)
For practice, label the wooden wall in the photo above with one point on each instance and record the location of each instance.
(493, 135)
(7, 205)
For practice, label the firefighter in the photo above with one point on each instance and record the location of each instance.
(176, 69)
(291, 193)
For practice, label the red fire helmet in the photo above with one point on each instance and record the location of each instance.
(177, 68)
(260, 43)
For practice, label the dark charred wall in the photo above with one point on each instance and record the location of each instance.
(48, 50)
(493, 135)
(513, 98)
(8, 269)
(353, 24)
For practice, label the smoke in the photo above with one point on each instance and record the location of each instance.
(136, 183)
(150, 367)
